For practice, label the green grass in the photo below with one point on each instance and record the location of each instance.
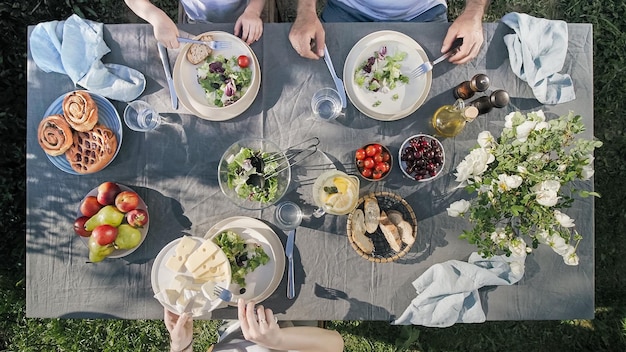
(607, 332)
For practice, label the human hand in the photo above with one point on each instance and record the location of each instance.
(250, 26)
(307, 28)
(470, 28)
(180, 329)
(165, 31)
(260, 328)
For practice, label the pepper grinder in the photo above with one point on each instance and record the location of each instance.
(467, 89)
(497, 99)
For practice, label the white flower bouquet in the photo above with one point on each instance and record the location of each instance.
(520, 184)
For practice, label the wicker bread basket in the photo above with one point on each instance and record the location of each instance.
(382, 251)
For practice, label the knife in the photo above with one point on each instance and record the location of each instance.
(168, 75)
(291, 290)
(338, 82)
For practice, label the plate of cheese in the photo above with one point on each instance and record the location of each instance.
(184, 273)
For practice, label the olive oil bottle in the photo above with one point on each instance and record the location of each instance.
(449, 120)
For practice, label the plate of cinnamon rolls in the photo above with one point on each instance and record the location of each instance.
(81, 132)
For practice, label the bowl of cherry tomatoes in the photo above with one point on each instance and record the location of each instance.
(373, 161)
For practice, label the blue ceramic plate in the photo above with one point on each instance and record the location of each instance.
(107, 115)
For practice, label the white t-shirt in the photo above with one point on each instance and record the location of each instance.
(214, 11)
(393, 10)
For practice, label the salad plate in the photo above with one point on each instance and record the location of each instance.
(262, 282)
(107, 115)
(400, 97)
(162, 278)
(194, 98)
(119, 253)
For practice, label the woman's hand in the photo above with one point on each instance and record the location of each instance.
(180, 329)
(249, 26)
(258, 324)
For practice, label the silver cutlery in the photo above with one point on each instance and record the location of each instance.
(214, 44)
(338, 81)
(291, 289)
(168, 75)
(428, 65)
(223, 293)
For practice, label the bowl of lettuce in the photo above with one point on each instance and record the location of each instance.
(254, 173)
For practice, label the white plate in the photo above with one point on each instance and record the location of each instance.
(191, 94)
(262, 282)
(162, 277)
(107, 116)
(118, 253)
(411, 95)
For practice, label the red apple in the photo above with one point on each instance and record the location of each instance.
(137, 217)
(107, 192)
(90, 206)
(127, 201)
(79, 226)
(104, 234)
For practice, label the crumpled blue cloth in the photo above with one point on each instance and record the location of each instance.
(537, 53)
(74, 47)
(447, 293)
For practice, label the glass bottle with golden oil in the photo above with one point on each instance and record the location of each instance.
(449, 120)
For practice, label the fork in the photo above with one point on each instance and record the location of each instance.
(214, 44)
(223, 293)
(428, 65)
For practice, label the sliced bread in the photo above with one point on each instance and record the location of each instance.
(404, 227)
(372, 214)
(358, 232)
(392, 235)
(197, 53)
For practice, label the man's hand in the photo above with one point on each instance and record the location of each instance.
(468, 26)
(307, 32)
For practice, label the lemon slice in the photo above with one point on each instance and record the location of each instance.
(342, 184)
(343, 203)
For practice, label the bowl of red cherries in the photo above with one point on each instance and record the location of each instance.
(421, 157)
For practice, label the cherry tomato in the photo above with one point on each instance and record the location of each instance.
(386, 156)
(379, 148)
(243, 61)
(377, 175)
(360, 154)
(367, 173)
(382, 167)
(378, 158)
(370, 150)
(369, 163)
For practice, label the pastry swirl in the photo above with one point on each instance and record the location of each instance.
(54, 135)
(80, 110)
(92, 150)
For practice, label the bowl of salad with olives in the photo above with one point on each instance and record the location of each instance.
(254, 173)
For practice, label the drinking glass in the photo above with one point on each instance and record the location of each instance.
(288, 215)
(326, 104)
(140, 116)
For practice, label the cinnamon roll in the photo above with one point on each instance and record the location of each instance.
(54, 135)
(92, 150)
(80, 110)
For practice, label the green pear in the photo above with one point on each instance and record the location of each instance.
(108, 215)
(97, 253)
(127, 237)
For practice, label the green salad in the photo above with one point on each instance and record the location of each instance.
(381, 72)
(240, 168)
(223, 81)
(244, 256)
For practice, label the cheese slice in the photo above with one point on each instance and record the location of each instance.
(171, 296)
(209, 270)
(182, 251)
(181, 282)
(201, 255)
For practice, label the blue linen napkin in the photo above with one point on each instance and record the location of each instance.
(537, 52)
(447, 293)
(74, 47)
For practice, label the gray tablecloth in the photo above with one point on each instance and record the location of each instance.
(174, 169)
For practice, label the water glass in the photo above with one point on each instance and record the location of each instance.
(140, 116)
(288, 215)
(326, 104)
